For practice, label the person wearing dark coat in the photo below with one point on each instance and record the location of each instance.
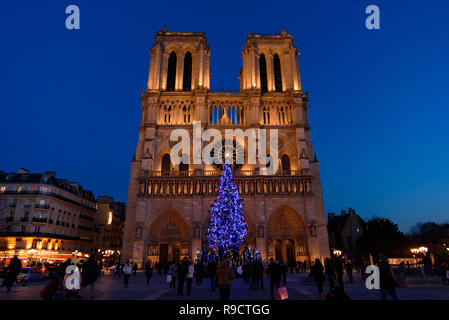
(199, 273)
(89, 275)
(275, 272)
(339, 269)
(13, 270)
(62, 267)
(148, 271)
(330, 273)
(317, 273)
(258, 273)
(182, 270)
(135, 267)
(212, 271)
(388, 283)
(349, 269)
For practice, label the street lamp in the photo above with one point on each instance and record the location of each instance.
(337, 252)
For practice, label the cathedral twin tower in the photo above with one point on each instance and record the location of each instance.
(168, 204)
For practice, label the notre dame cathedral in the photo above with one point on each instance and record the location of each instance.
(168, 204)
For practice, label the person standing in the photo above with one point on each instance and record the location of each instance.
(225, 279)
(199, 272)
(274, 270)
(89, 275)
(212, 271)
(127, 270)
(148, 271)
(181, 272)
(13, 271)
(135, 268)
(349, 270)
(317, 272)
(189, 276)
(339, 269)
(388, 283)
(329, 270)
(284, 270)
(172, 273)
(260, 271)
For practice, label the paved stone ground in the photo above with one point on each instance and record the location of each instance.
(108, 288)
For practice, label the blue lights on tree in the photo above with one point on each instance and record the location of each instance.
(227, 225)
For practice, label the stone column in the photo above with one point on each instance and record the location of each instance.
(270, 73)
(163, 73)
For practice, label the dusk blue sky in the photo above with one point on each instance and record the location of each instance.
(379, 106)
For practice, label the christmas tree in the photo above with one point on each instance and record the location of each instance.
(227, 224)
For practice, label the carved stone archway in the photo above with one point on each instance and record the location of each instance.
(169, 236)
(287, 235)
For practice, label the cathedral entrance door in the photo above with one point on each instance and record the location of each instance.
(278, 250)
(163, 252)
(290, 246)
(176, 249)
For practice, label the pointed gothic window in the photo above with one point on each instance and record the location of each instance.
(281, 115)
(171, 72)
(187, 79)
(166, 164)
(285, 164)
(266, 115)
(277, 73)
(263, 73)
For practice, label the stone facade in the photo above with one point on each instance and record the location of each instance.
(167, 209)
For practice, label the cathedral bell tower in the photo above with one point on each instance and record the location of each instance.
(179, 62)
(270, 63)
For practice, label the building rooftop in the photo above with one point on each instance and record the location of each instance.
(48, 178)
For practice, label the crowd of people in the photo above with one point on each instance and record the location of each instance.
(181, 275)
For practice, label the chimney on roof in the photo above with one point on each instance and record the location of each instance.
(343, 212)
(50, 173)
(23, 170)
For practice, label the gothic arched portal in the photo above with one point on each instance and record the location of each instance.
(286, 235)
(169, 236)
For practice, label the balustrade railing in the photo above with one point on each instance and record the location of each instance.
(208, 185)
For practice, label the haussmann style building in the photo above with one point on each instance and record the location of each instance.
(167, 207)
(44, 218)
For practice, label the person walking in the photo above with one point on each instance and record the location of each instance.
(13, 271)
(189, 276)
(135, 268)
(212, 271)
(317, 273)
(127, 270)
(274, 270)
(181, 269)
(388, 283)
(89, 275)
(330, 273)
(339, 270)
(148, 271)
(225, 279)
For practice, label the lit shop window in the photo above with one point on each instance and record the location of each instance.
(2, 189)
(110, 217)
(19, 188)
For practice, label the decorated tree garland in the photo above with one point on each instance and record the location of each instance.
(227, 225)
